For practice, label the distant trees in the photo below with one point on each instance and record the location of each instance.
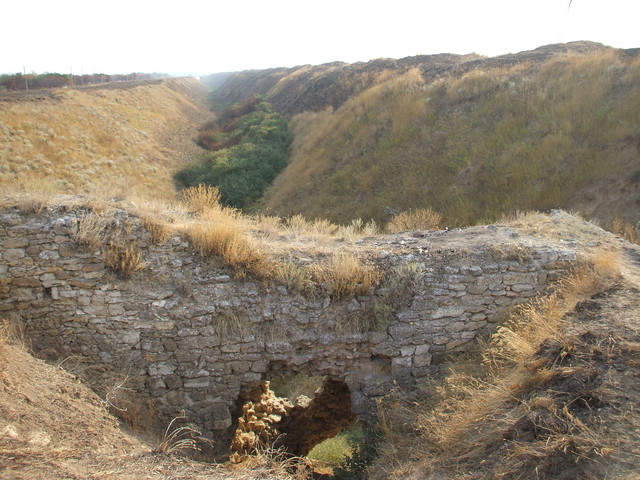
(17, 81)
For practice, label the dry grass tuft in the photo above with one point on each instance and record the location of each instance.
(178, 439)
(418, 219)
(221, 232)
(511, 251)
(201, 199)
(125, 261)
(344, 275)
(294, 276)
(90, 233)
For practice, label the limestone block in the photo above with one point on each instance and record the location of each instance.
(12, 255)
(130, 337)
(230, 348)
(173, 381)
(175, 397)
(194, 383)
(457, 287)
(162, 368)
(26, 282)
(97, 310)
(156, 385)
(455, 326)
(278, 347)
(23, 294)
(401, 369)
(447, 312)
(517, 278)
(17, 242)
(407, 351)
(518, 288)
(455, 343)
(422, 360)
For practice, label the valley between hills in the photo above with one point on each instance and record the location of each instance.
(405, 184)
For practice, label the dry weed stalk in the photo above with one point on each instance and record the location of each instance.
(124, 261)
(177, 439)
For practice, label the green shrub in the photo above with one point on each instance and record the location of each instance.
(364, 453)
(254, 149)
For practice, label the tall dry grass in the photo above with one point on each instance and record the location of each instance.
(344, 275)
(224, 231)
(418, 219)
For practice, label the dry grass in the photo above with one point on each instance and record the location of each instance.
(344, 275)
(123, 260)
(253, 246)
(625, 230)
(178, 439)
(268, 462)
(113, 140)
(91, 231)
(222, 231)
(499, 420)
(471, 147)
(201, 199)
(418, 219)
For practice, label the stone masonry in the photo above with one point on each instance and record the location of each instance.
(191, 336)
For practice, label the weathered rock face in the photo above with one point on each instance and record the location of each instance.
(191, 337)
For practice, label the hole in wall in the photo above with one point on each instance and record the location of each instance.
(320, 409)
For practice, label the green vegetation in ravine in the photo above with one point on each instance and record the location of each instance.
(247, 147)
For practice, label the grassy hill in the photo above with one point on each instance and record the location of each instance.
(115, 139)
(470, 137)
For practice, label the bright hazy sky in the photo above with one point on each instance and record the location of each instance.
(196, 37)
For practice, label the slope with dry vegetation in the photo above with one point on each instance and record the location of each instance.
(112, 138)
(472, 139)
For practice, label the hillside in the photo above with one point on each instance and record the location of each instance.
(470, 137)
(109, 139)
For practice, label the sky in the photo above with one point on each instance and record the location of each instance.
(197, 37)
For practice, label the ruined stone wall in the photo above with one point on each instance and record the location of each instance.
(191, 336)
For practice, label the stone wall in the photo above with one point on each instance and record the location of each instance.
(192, 337)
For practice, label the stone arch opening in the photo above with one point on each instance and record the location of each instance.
(267, 420)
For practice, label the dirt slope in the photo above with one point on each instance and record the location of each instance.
(54, 427)
(471, 137)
